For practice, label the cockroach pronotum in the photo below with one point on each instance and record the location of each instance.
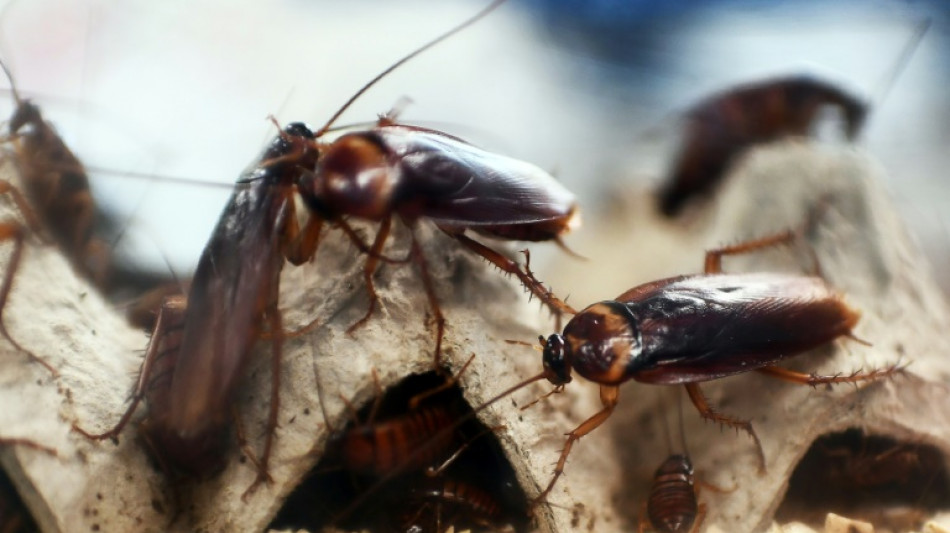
(201, 344)
(722, 127)
(694, 328)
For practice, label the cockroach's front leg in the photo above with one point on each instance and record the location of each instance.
(609, 396)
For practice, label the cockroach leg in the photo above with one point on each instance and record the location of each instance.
(170, 322)
(438, 471)
(714, 257)
(277, 341)
(357, 241)
(450, 381)
(245, 448)
(814, 380)
(556, 305)
(15, 232)
(707, 412)
(419, 259)
(369, 269)
(609, 396)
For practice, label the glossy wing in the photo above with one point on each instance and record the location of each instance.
(461, 185)
(705, 327)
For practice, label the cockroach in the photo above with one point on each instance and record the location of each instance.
(416, 173)
(672, 506)
(694, 328)
(722, 127)
(440, 503)
(57, 202)
(863, 474)
(417, 465)
(201, 345)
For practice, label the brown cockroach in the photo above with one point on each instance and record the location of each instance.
(722, 127)
(417, 465)
(673, 505)
(863, 474)
(201, 345)
(436, 504)
(57, 202)
(694, 328)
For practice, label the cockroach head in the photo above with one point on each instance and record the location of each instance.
(299, 129)
(26, 113)
(557, 365)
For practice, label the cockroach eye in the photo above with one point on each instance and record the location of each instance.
(555, 361)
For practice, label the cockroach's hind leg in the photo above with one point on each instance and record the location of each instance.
(708, 413)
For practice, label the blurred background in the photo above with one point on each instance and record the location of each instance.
(591, 91)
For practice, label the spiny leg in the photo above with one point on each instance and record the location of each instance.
(527, 279)
(814, 380)
(707, 412)
(372, 261)
(420, 260)
(170, 322)
(608, 397)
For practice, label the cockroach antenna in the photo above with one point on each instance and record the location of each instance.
(478, 16)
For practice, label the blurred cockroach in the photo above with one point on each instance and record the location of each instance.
(865, 474)
(694, 328)
(201, 345)
(57, 202)
(722, 127)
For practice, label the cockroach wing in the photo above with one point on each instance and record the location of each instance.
(705, 327)
(457, 184)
